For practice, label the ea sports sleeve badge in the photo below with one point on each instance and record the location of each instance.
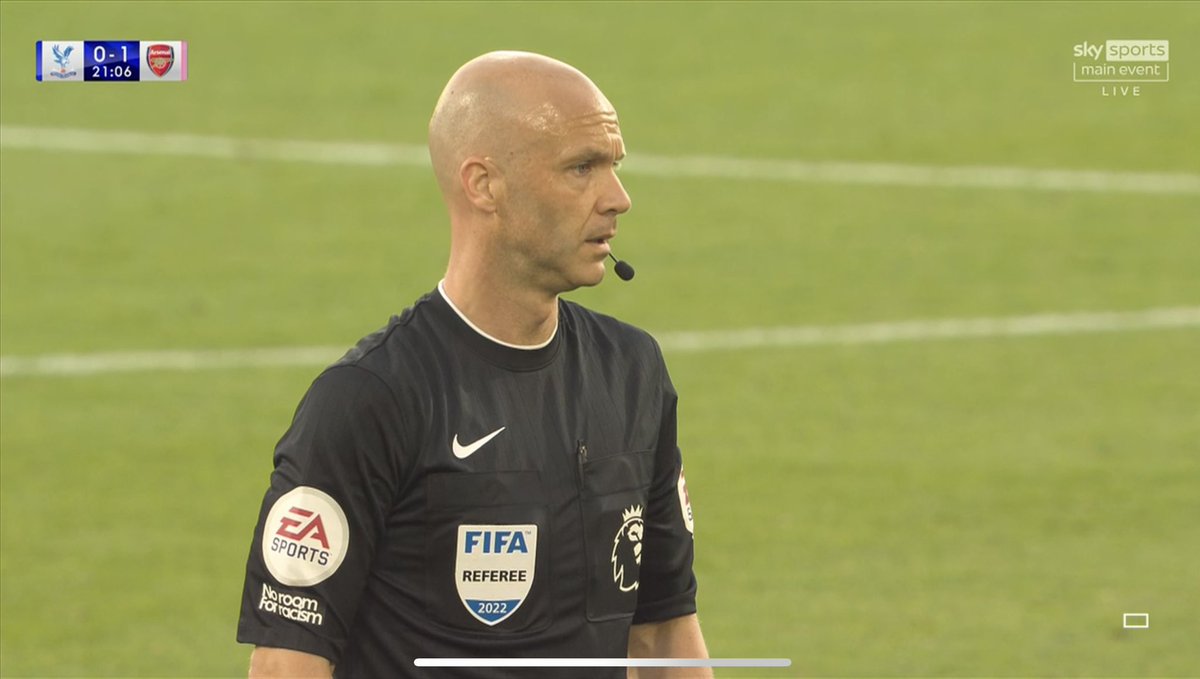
(305, 537)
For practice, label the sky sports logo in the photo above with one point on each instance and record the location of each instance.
(1134, 62)
(1126, 50)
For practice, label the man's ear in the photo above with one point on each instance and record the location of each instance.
(479, 178)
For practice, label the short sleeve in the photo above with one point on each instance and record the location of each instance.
(335, 478)
(667, 586)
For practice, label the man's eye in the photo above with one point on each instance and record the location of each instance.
(582, 168)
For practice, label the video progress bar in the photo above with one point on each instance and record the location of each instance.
(603, 662)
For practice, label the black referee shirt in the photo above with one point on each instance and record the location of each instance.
(440, 494)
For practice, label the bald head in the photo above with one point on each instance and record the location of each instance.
(499, 104)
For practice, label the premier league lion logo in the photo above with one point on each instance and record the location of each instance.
(627, 549)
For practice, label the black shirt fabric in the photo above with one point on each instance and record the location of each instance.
(441, 494)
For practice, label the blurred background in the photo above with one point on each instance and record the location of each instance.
(978, 504)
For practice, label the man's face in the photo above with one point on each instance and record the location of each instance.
(563, 195)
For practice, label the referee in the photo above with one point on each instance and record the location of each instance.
(494, 473)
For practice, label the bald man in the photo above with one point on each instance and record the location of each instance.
(495, 473)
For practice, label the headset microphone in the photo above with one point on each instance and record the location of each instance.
(624, 271)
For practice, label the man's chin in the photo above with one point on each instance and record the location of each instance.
(587, 278)
(593, 277)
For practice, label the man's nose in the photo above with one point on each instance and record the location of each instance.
(615, 199)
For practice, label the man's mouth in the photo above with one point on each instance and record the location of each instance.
(601, 244)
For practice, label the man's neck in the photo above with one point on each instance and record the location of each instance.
(519, 317)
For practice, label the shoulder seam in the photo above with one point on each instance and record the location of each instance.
(372, 373)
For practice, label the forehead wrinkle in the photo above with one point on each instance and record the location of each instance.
(607, 119)
(559, 126)
(602, 114)
(596, 131)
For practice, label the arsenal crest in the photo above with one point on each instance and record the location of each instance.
(160, 58)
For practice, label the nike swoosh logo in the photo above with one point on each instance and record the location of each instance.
(463, 452)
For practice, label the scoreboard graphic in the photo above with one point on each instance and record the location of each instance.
(111, 60)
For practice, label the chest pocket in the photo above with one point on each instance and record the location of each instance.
(613, 494)
(487, 568)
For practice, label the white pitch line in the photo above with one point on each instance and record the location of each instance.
(672, 342)
(928, 330)
(223, 148)
(830, 172)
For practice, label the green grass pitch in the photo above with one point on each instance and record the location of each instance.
(976, 507)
